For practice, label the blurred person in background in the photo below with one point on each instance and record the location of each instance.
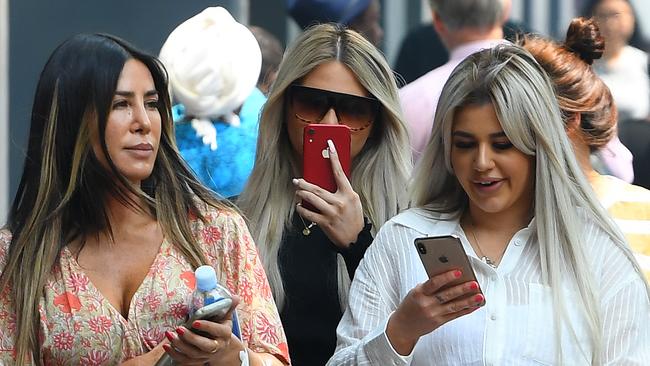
(271, 56)
(623, 67)
(589, 114)
(464, 26)
(214, 64)
(362, 16)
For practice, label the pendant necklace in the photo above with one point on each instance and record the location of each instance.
(307, 230)
(484, 258)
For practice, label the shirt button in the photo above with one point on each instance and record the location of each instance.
(517, 242)
(493, 317)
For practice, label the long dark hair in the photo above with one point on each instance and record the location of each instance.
(59, 198)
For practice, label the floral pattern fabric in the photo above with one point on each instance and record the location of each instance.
(79, 326)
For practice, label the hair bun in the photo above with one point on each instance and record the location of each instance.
(583, 38)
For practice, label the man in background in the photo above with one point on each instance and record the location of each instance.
(464, 27)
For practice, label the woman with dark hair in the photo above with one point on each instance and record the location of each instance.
(108, 224)
(589, 116)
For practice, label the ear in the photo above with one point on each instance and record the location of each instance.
(507, 8)
(572, 126)
(439, 25)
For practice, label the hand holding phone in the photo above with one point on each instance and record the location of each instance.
(450, 292)
(214, 312)
(334, 207)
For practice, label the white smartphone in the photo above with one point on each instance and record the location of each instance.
(215, 311)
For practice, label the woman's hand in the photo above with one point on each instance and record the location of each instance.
(221, 348)
(149, 358)
(426, 307)
(341, 214)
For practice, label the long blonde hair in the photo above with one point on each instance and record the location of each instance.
(511, 80)
(60, 196)
(379, 173)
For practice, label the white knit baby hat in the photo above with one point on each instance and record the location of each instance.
(213, 64)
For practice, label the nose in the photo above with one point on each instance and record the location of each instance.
(141, 122)
(483, 160)
(330, 118)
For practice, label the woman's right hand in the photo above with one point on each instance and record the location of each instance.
(426, 307)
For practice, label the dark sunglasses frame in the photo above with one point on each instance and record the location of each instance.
(333, 99)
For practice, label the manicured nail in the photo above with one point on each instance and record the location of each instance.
(331, 145)
(166, 347)
(473, 286)
(196, 325)
(180, 330)
(295, 181)
(479, 298)
(457, 274)
(169, 335)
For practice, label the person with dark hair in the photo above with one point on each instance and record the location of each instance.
(108, 224)
(589, 116)
(465, 27)
(330, 75)
(360, 15)
(271, 57)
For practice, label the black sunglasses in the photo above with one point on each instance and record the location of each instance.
(310, 105)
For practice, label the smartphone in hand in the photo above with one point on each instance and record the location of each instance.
(445, 253)
(316, 165)
(215, 312)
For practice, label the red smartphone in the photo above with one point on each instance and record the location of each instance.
(442, 254)
(316, 165)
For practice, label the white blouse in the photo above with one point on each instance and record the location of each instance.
(516, 325)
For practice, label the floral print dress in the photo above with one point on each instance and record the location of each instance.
(79, 326)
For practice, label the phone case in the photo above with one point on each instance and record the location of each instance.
(216, 310)
(316, 165)
(444, 253)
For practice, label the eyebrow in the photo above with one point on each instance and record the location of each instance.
(131, 94)
(469, 135)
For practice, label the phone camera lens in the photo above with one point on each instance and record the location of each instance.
(422, 249)
(311, 131)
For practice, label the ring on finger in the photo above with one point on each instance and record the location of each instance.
(439, 298)
(216, 346)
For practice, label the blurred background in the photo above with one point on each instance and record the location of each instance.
(30, 29)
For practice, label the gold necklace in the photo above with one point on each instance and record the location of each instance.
(307, 230)
(484, 258)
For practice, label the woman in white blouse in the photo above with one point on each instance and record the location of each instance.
(560, 284)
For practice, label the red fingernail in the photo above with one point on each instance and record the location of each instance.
(180, 331)
(479, 298)
(196, 324)
(457, 274)
(166, 347)
(473, 286)
(169, 335)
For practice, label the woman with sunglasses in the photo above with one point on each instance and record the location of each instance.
(330, 76)
(556, 282)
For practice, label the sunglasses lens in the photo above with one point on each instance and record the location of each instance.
(311, 104)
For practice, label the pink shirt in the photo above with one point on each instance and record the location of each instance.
(79, 326)
(420, 98)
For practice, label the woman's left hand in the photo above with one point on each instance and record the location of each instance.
(222, 348)
(341, 214)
